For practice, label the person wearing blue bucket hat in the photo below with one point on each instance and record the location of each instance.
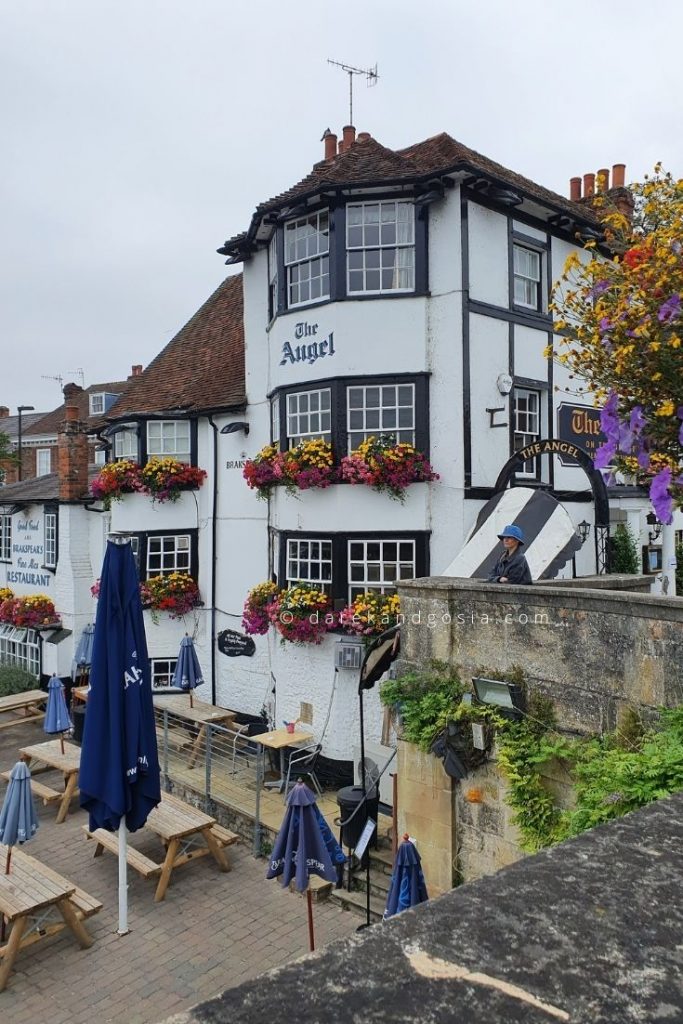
(512, 566)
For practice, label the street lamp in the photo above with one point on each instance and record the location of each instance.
(655, 532)
(583, 530)
(21, 409)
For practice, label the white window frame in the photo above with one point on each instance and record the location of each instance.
(167, 443)
(309, 560)
(360, 239)
(174, 554)
(376, 574)
(100, 456)
(97, 403)
(522, 438)
(50, 540)
(273, 276)
(527, 287)
(127, 444)
(310, 252)
(43, 452)
(298, 417)
(162, 669)
(275, 419)
(5, 537)
(20, 646)
(388, 409)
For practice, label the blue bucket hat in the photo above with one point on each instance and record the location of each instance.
(514, 532)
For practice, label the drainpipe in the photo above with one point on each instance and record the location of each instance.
(668, 561)
(213, 558)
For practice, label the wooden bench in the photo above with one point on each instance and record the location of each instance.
(177, 739)
(85, 905)
(109, 841)
(39, 789)
(223, 836)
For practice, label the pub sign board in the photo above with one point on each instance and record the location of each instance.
(579, 424)
(235, 645)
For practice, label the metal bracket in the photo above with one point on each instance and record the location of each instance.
(492, 414)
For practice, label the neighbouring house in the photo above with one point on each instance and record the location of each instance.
(12, 426)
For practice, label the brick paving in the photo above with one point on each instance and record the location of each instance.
(212, 931)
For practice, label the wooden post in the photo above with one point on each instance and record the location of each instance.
(311, 936)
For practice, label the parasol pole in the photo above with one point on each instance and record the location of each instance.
(61, 740)
(123, 878)
(9, 860)
(311, 936)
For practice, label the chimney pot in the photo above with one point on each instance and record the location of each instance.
(363, 136)
(603, 179)
(619, 176)
(574, 189)
(71, 389)
(588, 185)
(136, 370)
(349, 136)
(330, 146)
(71, 412)
(340, 146)
(4, 411)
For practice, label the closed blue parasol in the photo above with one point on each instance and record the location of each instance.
(119, 776)
(56, 713)
(188, 673)
(407, 887)
(83, 654)
(304, 846)
(18, 818)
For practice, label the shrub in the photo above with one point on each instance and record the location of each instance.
(15, 680)
(624, 554)
(427, 701)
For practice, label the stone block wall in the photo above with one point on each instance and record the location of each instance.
(426, 811)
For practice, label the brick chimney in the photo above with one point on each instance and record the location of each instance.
(348, 136)
(72, 453)
(4, 411)
(136, 370)
(330, 140)
(618, 194)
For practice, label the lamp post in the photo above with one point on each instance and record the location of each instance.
(20, 410)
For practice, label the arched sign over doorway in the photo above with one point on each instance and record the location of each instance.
(572, 452)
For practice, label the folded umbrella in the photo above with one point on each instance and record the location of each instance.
(407, 887)
(188, 673)
(83, 654)
(18, 818)
(56, 713)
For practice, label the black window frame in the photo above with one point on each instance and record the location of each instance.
(143, 544)
(340, 554)
(338, 403)
(140, 425)
(51, 509)
(542, 248)
(7, 516)
(542, 388)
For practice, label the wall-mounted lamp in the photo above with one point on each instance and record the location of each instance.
(583, 530)
(504, 383)
(655, 533)
(507, 698)
(232, 428)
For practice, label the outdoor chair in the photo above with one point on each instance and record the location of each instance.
(242, 744)
(302, 764)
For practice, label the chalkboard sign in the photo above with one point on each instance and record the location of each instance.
(235, 644)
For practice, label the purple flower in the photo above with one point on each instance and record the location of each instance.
(599, 287)
(605, 324)
(637, 420)
(669, 310)
(644, 459)
(660, 496)
(605, 454)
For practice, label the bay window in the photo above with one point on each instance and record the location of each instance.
(380, 247)
(308, 416)
(169, 437)
(20, 647)
(126, 444)
(307, 261)
(385, 409)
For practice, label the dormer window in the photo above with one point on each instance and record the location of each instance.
(100, 402)
(307, 260)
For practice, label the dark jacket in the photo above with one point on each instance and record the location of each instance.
(515, 568)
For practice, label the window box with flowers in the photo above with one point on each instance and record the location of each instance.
(176, 593)
(255, 617)
(165, 478)
(35, 611)
(302, 614)
(385, 465)
(371, 614)
(308, 465)
(116, 479)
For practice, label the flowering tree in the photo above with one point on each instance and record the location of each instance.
(624, 322)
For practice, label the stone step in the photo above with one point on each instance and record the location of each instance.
(382, 859)
(379, 883)
(356, 901)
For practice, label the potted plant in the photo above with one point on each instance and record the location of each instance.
(263, 471)
(165, 478)
(309, 464)
(302, 614)
(116, 479)
(35, 611)
(371, 614)
(386, 465)
(255, 618)
(177, 593)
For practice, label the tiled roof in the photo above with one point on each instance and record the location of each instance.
(38, 488)
(49, 423)
(10, 424)
(367, 163)
(201, 368)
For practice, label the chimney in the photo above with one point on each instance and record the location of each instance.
(72, 453)
(603, 179)
(588, 185)
(136, 370)
(330, 140)
(575, 189)
(363, 136)
(340, 146)
(349, 136)
(71, 390)
(4, 411)
(619, 176)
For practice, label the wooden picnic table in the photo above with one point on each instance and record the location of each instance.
(181, 829)
(200, 715)
(30, 894)
(48, 756)
(26, 706)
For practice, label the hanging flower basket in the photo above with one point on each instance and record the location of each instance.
(5, 594)
(255, 619)
(371, 614)
(309, 464)
(35, 611)
(176, 594)
(385, 465)
(302, 614)
(263, 472)
(166, 478)
(116, 479)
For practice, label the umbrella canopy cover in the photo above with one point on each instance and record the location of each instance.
(188, 673)
(407, 887)
(83, 654)
(303, 847)
(119, 773)
(18, 818)
(56, 713)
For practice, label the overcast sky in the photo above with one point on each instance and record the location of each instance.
(137, 135)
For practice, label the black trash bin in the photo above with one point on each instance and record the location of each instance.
(348, 799)
(78, 718)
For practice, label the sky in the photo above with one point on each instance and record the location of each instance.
(137, 135)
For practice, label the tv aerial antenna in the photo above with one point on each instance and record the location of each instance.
(78, 372)
(370, 74)
(57, 377)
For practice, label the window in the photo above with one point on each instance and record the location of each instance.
(385, 409)
(308, 416)
(97, 404)
(527, 277)
(307, 246)
(100, 456)
(162, 670)
(526, 420)
(379, 565)
(273, 282)
(126, 444)
(43, 461)
(310, 561)
(5, 538)
(167, 554)
(50, 539)
(275, 420)
(380, 244)
(169, 437)
(20, 647)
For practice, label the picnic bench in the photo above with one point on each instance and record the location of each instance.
(49, 757)
(199, 715)
(181, 829)
(31, 897)
(26, 706)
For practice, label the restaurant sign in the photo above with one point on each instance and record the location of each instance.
(235, 644)
(307, 347)
(28, 557)
(579, 424)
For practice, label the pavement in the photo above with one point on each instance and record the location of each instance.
(213, 930)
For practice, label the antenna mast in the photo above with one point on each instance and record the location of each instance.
(370, 75)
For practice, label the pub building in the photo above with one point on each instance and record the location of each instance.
(402, 292)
